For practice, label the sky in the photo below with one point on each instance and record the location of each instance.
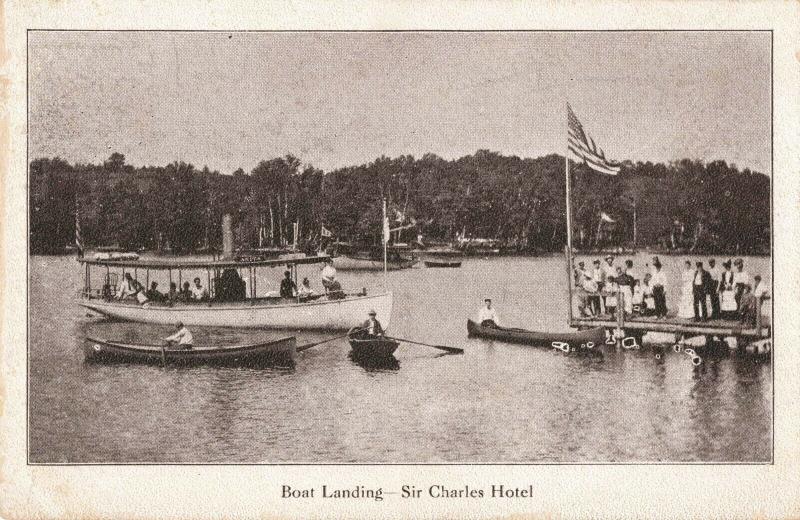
(229, 100)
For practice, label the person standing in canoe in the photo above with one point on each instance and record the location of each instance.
(487, 316)
(183, 337)
(372, 326)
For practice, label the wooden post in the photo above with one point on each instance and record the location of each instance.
(569, 235)
(621, 313)
(569, 284)
(759, 321)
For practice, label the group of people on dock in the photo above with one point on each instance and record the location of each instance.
(706, 293)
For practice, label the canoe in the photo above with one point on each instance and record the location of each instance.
(320, 314)
(370, 347)
(257, 354)
(529, 337)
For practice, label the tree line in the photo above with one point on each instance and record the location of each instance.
(683, 205)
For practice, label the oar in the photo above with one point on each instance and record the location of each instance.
(306, 347)
(452, 350)
(163, 357)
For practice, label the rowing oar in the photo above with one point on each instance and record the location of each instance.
(306, 347)
(452, 350)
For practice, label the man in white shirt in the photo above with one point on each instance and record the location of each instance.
(199, 292)
(328, 274)
(487, 316)
(182, 337)
(716, 278)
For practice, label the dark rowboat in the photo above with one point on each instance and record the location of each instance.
(529, 337)
(369, 347)
(442, 263)
(269, 353)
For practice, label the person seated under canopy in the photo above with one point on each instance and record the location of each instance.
(288, 286)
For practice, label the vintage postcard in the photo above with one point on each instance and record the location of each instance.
(461, 260)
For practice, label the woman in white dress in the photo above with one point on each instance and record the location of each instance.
(727, 290)
(686, 307)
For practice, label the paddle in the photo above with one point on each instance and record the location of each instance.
(452, 350)
(163, 357)
(308, 346)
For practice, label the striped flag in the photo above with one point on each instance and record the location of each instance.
(584, 148)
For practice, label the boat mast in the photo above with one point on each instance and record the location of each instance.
(385, 244)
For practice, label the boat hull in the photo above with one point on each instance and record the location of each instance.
(442, 263)
(372, 348)
(270, 353)
(545, 339)
(349, 263)
(313, 315)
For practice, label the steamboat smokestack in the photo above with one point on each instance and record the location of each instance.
(227, 237)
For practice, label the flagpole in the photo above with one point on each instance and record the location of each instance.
(569, 231)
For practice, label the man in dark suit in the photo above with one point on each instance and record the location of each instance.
(702, 287)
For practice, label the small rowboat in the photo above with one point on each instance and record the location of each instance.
(369, 347)
(258, 354)
(529, 337)
(443, 262)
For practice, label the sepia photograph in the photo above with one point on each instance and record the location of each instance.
(399, 247)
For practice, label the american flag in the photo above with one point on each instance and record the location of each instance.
(584, 148)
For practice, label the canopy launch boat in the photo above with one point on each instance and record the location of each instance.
(231, 302)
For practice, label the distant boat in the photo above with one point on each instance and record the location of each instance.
(271, 352)
(529, 337)
(442, 257)
(480, 246)
(369, 258)
(370, 347)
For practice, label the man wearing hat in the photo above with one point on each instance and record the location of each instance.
(182, 337)
(715, 288)
(700, 288)
(487, 316)
(372, 326)
(659, 282)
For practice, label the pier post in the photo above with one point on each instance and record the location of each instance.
(759, 324)
(620, 316)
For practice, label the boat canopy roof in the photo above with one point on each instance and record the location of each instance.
(201, 264)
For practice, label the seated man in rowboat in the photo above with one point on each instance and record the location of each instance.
(372, 326)
(182, 337)
(487, 316)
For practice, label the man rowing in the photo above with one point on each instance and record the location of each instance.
(487, 316)
(372, 326)
(183, 337)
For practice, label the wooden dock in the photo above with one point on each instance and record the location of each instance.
(679, 326)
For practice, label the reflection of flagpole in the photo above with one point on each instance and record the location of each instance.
(78, 237)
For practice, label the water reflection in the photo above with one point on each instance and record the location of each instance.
(375, 364)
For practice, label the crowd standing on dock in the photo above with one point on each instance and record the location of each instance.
(706, 293)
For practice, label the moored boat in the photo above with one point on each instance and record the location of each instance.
(257, 354)
(371, 347)
(227, 304)
(529, 337)
(368, 258)
(443, 258)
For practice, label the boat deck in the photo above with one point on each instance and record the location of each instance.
(673, 324)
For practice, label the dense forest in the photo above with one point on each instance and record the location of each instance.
(687, 205)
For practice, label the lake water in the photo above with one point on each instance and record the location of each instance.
(496, 403)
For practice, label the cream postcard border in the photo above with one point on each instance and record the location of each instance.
(568, 491)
